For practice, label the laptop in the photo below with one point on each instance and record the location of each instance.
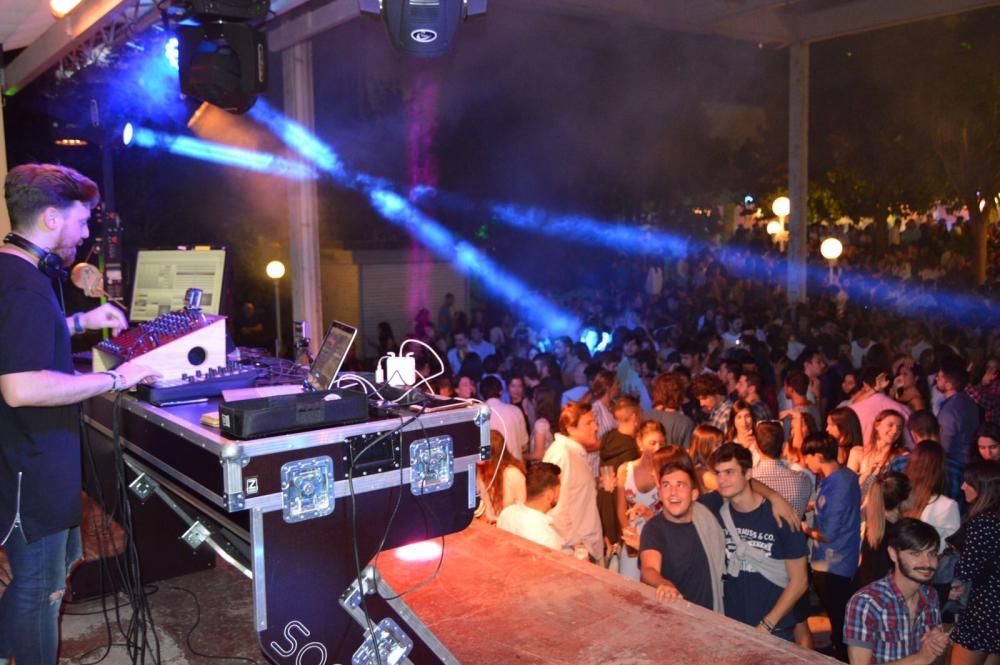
(330, 358)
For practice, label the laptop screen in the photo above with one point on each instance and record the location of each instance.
(163, 276)
(334, 349)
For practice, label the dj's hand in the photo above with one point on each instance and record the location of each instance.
(134, 373)
(105, 316)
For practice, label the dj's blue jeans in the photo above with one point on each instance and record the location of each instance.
(29, 609)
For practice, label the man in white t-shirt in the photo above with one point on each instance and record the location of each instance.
(575, 515)
(478, 345)
(530, 519)
(505, 418)
(860, 345)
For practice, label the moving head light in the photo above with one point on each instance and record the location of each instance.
(223, 60)
(423, 28)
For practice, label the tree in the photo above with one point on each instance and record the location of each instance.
(914, 118)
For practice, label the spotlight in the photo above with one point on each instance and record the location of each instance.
(127, 133)
(423, 28)
(171, 50)
(223, 60)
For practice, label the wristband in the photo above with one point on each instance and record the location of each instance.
(118, 380)
(78, 324)
(767, 624)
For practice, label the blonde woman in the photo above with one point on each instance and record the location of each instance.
(886, 444)
(638, 494)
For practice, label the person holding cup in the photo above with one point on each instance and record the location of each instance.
(637, 494)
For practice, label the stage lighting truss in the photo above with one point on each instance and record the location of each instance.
(423, 28)
(101, 47)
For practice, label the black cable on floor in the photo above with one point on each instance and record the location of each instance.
(141, 624)
(197, 620)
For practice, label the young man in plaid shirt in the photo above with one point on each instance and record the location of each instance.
(897, 619)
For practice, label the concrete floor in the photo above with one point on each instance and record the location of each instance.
(209, 613)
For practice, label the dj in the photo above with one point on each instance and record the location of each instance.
(40, 475)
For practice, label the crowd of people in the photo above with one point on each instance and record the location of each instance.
(754, 458)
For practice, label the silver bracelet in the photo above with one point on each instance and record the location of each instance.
(118, 381)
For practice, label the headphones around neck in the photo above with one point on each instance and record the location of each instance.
(50, 264)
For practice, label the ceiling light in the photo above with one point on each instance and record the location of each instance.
(60, 8)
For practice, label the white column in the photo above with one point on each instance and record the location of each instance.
(798, 168)
(303, 206)
(4, 221)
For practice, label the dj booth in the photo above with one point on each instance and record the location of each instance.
(301, 514)
(280, 509)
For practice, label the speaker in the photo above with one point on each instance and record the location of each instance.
(50, 264)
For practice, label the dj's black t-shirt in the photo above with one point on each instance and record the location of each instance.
(39, 446)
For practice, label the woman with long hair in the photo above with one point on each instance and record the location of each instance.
(977, 636)
(704, 440)
(637, 493)
(519, 398)
(501, 480)
(910, 385)
(801, 426)
(927, 501)
(880, 508)
(886, 444)
(740, 430)
(546, 403)
(604, 390)
(843, 425)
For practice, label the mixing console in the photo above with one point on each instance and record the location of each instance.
(151, 335)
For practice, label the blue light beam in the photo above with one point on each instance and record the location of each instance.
(471, 261)
(300, 139)
(621, 236)
(636, 241)
(398, 210)
(250, 160)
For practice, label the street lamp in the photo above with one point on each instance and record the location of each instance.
(276, 270)
(831, 249)
(781, 206)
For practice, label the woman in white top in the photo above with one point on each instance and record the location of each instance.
(500, 480)
(637, 494)
(927, 502)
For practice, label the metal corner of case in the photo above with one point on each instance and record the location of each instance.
(235, 502)
(482, 415)
(231, 451)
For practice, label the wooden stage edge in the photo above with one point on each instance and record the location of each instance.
(501, 599)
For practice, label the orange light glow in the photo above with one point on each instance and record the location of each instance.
(60, 8)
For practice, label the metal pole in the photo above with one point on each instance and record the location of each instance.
(303, 197)
(277, 318)
(798, 172)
